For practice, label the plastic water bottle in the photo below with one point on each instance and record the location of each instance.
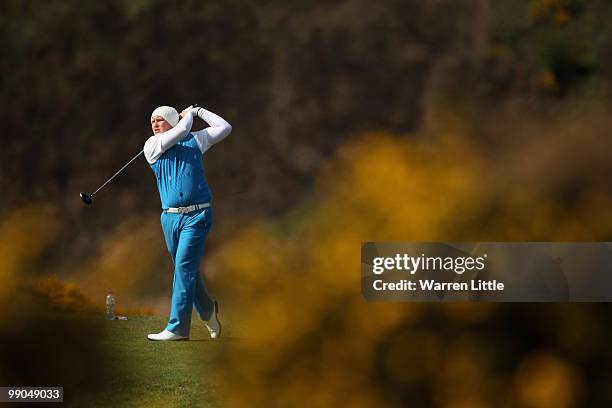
(110, 306)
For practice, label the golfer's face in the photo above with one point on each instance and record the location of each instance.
(159, 125)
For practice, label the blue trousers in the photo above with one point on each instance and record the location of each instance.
(185, 235)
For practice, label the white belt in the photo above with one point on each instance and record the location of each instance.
(188, 209)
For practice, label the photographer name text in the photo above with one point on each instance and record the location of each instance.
(476, 285)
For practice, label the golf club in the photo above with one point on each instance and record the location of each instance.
(88, 198)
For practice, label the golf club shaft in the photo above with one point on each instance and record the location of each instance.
(120, 170)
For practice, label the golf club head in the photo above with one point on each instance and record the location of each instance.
(86, 198)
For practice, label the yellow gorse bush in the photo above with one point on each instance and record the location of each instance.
(307, 337)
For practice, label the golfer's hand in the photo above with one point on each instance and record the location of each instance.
(187, 111)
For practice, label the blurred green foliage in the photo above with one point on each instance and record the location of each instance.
(568, 39)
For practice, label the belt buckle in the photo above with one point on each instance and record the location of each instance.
(182, 210)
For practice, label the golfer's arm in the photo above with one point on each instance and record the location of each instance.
(158, 145)
(218, 130)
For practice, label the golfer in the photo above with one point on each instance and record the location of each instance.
(175, 155)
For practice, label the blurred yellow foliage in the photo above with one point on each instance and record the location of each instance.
(63, 296)
(307, 336)
(547, 82)
(544, 380)
(131, 260)
(556, 10)
(24, 235)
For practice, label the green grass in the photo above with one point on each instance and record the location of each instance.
(149, 373)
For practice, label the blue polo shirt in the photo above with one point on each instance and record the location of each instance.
(181, 180)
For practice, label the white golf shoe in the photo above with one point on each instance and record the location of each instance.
(166, 336)
(213, 325)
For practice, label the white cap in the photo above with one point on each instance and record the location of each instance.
(169, 114)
